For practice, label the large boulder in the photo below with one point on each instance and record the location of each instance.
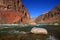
(39, 30)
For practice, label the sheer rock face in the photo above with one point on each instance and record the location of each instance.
(13, 11)
(51, 16)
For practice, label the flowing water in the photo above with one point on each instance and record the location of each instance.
(23, 33)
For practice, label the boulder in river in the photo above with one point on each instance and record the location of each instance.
(39, 30)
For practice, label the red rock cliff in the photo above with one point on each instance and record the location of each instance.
(13, 11)
(51, 16)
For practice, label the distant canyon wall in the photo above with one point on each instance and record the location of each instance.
(50, 16)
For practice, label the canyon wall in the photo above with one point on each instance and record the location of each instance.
(13, 12)
(50, 16)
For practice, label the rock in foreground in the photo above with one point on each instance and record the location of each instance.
(39, 31)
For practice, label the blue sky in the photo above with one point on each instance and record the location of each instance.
(37, 7)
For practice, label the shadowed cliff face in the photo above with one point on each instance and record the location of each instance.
(51, 16)
(13, 11)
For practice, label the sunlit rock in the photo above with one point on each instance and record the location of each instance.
(32, 23)
(23, 32)
(56, 24)
(39, 31)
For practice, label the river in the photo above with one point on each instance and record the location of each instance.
(23, 33)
